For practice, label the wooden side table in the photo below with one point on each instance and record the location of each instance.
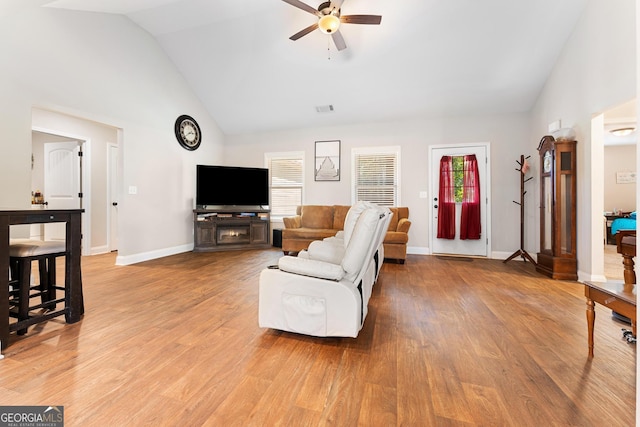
(615, 295)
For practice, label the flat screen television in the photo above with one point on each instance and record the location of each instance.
(232, 186)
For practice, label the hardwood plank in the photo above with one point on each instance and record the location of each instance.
(345, 399)
(317, 385)
(487, 404)
(297, 355)
(415, 406)
(236, 408)
(379, 406)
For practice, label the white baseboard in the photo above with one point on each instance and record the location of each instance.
(418, 250)
(146, 256)
(97, 250)
(584, 277)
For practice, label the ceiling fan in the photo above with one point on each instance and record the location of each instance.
(329, 20)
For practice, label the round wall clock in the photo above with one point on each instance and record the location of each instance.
(188, 132)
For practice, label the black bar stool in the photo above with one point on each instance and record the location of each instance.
(22, 253)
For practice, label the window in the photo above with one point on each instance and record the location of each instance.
(376, 175)
(457, 170)
(286, 180)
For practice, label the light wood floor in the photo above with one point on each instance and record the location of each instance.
(447, 342)
(613, 268)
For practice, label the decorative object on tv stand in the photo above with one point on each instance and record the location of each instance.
(327, 161)
(187, 132)
(522, 169)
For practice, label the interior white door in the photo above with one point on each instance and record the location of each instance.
(456, 246)
(61, 182)
(113, 197)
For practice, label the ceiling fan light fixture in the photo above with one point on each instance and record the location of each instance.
(329, 24)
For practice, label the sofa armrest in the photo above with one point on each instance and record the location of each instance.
(292, 221)
(329, 250)
(311, 267)
(403, 225)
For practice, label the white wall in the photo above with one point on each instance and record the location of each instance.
(104, 68)
(596, 71)
(508, 136)
(622, 196)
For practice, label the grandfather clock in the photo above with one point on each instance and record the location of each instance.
(557, 256)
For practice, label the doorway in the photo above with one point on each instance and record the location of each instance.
(80, 175)
(98, 187)
(456, 246)
(619, 141)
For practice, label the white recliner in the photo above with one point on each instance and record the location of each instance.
(325, 290)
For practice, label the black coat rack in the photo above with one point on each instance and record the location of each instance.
(521, 252)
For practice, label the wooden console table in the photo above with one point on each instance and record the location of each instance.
(74, 304)
(615, 295)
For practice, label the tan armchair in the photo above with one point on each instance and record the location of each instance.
(397, 237)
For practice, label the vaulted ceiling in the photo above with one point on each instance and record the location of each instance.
(427, 58)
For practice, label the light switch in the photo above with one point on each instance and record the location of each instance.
(423, 195)
(133, 189)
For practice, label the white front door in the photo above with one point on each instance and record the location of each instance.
(469, 247)
(61, 182)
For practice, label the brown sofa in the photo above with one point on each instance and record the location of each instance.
(316, 222)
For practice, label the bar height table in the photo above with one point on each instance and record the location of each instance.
(74, 302)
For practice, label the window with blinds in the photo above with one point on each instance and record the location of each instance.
(287, 183)
(376, 175)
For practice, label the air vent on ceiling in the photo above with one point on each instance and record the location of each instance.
(324, 108)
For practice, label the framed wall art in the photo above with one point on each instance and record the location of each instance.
(327, 161)
(625, 177)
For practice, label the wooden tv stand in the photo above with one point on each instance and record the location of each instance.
(226, 229)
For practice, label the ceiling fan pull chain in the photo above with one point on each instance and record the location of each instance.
(328, 49)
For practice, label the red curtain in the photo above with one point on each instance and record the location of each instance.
(446, 201)
(470, 215)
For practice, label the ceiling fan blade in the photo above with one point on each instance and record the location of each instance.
(303, 6)
(304, 32)
(338, 40)
(361, 19)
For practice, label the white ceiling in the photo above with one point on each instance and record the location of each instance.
(427, 58)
